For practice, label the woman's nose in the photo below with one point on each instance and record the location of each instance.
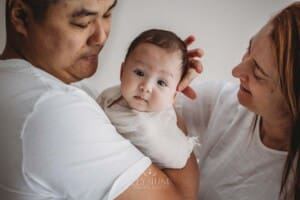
(240, 71)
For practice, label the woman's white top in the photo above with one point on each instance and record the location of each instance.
(234, 163)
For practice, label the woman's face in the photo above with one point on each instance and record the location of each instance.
(259, 79)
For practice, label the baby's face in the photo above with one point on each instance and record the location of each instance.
(149, 78)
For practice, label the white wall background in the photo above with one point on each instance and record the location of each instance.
(222, 28)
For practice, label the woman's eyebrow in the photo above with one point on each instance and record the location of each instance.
(112, 6)
(256, 64)
(249, 45)
(260, 69)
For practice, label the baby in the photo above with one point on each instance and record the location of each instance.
(141, 108)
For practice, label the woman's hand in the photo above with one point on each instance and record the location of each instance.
(195, 68)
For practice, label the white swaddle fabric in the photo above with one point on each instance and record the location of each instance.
(156, 134)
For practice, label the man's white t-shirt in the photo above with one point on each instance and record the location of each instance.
(56, 142)
(234, 163)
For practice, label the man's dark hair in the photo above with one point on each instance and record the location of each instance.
(163, 39)
(38, 7)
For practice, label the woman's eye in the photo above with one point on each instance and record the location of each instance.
(256, 76)
(139, 72)
(162, 83)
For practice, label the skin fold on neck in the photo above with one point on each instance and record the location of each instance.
(276, 134)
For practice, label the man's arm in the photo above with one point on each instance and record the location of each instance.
(152, 184)
(187, 178)
(171, 184)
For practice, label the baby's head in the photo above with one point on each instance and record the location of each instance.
(155, 63)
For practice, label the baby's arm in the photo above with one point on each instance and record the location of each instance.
(158, 136)
(187, 177)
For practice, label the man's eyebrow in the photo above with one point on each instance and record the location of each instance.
(83, 13)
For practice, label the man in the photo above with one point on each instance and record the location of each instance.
(56, 142)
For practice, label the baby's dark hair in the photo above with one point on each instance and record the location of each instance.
(163, 39)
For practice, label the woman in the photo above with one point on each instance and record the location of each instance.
(251, 134)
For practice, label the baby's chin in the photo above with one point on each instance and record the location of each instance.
(152, 109)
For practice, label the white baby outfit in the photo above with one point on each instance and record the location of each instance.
(156, 134)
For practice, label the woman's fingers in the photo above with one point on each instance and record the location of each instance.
(194, 68)
(189, 40)
(196, 64)
(189, 92)
(187, 79)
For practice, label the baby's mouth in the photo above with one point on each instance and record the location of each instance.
(140, 98)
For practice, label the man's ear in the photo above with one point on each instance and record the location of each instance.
(121, 70)
(19, 14)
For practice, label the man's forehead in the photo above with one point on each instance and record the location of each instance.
(89, 1)
(104, 4)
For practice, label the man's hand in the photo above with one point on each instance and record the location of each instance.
(195, 67)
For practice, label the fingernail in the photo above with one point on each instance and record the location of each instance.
(179, 88)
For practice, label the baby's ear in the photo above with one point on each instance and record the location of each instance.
(174, 98)
(121, 70)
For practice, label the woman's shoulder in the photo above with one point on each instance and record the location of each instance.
(214, 88)
(210, 93)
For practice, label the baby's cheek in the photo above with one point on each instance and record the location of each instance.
(169, 98)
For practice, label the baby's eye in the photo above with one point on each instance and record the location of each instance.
(139, 72)
(162, 83)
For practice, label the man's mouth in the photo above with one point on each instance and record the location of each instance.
(91, 58)
(91, 55)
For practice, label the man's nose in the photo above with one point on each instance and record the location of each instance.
(99, 35)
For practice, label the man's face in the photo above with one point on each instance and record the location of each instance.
(149, 78)
(67, 42)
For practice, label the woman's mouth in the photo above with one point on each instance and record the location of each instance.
(244, 89)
